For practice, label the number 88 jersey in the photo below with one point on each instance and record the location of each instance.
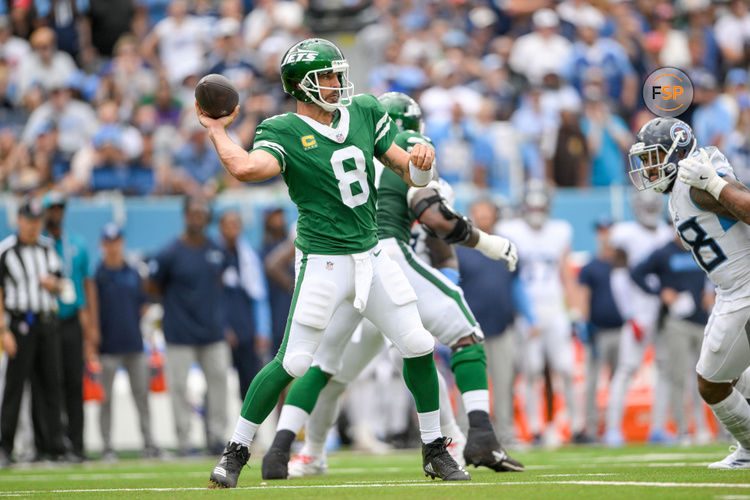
(330, 173)
(720, 246)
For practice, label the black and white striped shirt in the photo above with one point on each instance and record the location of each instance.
(21, 267)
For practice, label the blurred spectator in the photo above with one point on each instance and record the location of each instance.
(187, 274)
(496, 152)
(197, 166)
(396, 73)
(592, 50)
(600, 331)
(177, 43)
(671, 43)
(36, 168)
(569, 164)
(608, 138)
(69, 19)
(712, 119)
(541, 51)
(78, 321)
(45, 64)
(737, 147)
(494, 295)
(452, 139)
(126, 78)
(29, 337)
(536, 126)
(732, 30)
(227, 57)
(121, 303)
(704, 49)
(278, 263)
(13, 49)
(245, 298)
(109, 21)
(75, 120)
(167, 106)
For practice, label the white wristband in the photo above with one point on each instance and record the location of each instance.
(715, 185)
(419, 177)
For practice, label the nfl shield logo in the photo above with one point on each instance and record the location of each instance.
(329, 265)
(339, 137)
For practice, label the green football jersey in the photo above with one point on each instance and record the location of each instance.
(330, 173)
(394, 216)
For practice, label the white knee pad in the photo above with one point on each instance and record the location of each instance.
(416, 343)
(316, 302)
(296, 364)
(396, 285)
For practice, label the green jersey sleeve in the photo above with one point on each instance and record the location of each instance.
(385, 129)
(268, 138)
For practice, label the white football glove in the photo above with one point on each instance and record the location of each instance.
(498, 248)
(697, 171)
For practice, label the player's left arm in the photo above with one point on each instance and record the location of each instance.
(733, 201)
(415, 167)
(444, 222)
(721, 195)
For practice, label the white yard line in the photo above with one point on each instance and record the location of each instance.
(641, 484)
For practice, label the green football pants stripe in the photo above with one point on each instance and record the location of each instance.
(282, 349)
(450, 292)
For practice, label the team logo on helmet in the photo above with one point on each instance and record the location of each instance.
(680, 132)
(299, 55)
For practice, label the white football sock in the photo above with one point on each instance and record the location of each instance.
(447, 418)
(429, 426)
(324, 414)
(292, 418)
(734, 413)
(477, 400)
(244, 431)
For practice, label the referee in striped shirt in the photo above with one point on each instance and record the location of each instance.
(30, 280)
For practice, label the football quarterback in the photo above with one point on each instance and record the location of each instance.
(341, 270)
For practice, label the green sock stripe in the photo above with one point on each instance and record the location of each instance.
(282, 348)
(305, 390)
(420, 376)
(450, 292)
(264, 391)
(469, 366)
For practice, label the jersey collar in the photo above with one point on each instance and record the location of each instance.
(337, 134)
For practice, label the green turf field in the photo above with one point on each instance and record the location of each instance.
(572, 473)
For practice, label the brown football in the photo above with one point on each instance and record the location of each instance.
(216, 95)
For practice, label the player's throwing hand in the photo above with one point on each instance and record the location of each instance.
(209, 122)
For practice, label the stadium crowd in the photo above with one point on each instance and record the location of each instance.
(97, 96)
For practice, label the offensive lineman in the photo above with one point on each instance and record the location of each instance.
(324, 154)
(441, 306)
(708, 212)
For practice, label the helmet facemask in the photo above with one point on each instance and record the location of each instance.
(310, 85)
(653, 166)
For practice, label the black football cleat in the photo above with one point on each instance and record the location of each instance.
(227, 469)
(483, 449)
(275, 464)
(438, 462)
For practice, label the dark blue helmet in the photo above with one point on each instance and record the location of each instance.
(659, 145)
